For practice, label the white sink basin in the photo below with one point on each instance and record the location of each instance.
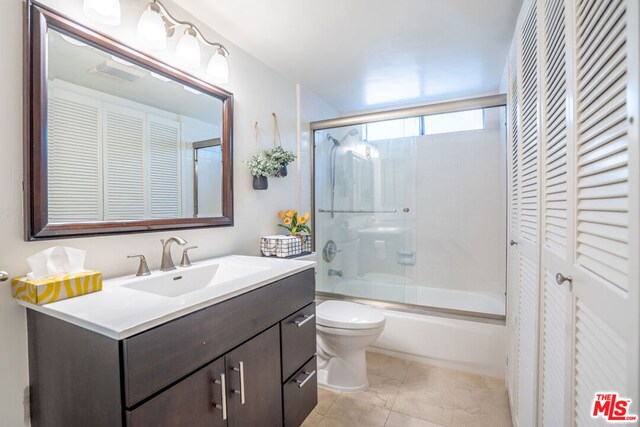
(129, 305)
(195, 278)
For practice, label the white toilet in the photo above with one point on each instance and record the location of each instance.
(344, 331)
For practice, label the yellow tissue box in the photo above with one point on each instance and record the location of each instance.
(56, 288)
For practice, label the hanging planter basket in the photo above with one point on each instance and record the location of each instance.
(262, 166)
(260, 182)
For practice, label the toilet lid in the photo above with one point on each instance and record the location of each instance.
(348, 315)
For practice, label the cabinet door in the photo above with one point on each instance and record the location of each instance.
(606, 231)
(527, 238)
(254, 381)
(194, 401)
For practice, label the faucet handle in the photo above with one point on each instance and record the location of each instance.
(143, 268)
(186, 262)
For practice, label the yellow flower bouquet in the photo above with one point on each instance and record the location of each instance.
(294, 223)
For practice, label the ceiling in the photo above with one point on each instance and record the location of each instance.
(369, 54)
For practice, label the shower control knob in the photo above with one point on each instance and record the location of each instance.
(513, 243)
(560, 279)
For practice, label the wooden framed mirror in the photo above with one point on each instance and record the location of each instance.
(111, 136)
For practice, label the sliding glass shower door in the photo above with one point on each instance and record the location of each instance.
(413, 211)
(365, 209)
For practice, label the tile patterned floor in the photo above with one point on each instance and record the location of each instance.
(413, 394)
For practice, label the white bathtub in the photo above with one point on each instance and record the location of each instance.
(476, 346)
(384, 288)
(466, 345)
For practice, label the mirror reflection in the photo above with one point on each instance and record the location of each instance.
(125, 143)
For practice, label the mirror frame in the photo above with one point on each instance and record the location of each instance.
(38, 19)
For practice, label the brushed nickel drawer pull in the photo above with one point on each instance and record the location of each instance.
(305, 319)
(241, 391)
(223, 387)
(309, 375)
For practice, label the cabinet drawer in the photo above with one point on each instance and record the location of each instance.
(161, 356)
(298, 333)
(300, 394)
(191, 402)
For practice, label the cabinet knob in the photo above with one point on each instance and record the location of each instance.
(560, 279)
(4, 276)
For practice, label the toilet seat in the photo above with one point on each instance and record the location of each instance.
(348, 315)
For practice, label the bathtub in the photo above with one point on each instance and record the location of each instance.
(466, 345)
(433, 338)
(443, 339)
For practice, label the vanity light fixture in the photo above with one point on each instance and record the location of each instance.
(188, 50)
(156, 25)
(218, 68)
(104, 11)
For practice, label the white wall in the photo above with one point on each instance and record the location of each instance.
(258, 91)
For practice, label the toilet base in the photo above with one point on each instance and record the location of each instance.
(345, 372)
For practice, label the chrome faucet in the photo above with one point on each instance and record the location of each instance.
(167, 262)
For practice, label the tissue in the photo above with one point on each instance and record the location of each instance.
(55, 261)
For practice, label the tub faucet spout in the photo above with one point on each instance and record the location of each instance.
(335, 273)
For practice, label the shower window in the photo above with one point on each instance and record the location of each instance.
(412, 218)
(453, 122)
(392, 129)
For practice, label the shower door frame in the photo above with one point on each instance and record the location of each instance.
(483, 102)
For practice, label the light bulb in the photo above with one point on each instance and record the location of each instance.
(218, 68)
(104, 11)
(151, 32)
(188, 50)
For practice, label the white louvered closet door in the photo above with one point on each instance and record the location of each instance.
(605, 255)
(514, 235)
(124, 133)
(74, 157)
(528, 254)
(555, 344)
(164, 171)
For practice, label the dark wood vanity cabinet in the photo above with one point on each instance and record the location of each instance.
(247, 361)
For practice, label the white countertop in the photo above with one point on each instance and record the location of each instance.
(120, 311)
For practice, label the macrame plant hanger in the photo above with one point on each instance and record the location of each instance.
(277, 142)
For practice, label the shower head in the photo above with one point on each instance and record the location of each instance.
(332, 139)
(352, 132)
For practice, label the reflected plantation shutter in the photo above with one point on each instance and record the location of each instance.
(164, 167)
(124, 158)
(74, 172)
